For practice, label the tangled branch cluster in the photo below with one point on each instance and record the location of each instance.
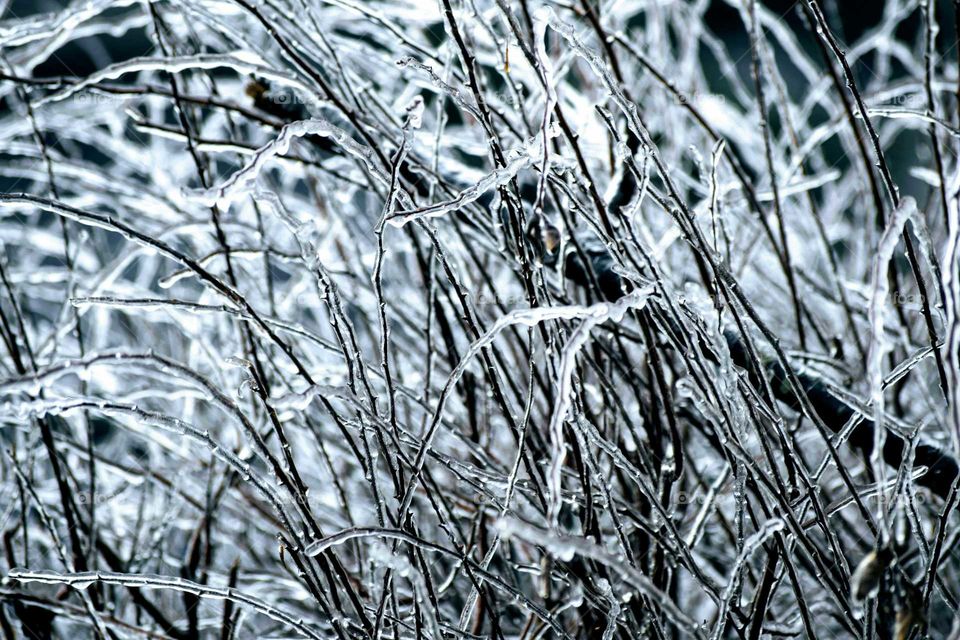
(479, 318)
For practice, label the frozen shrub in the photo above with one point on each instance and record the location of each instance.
(479, 318)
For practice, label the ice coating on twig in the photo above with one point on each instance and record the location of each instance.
(519, 159)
